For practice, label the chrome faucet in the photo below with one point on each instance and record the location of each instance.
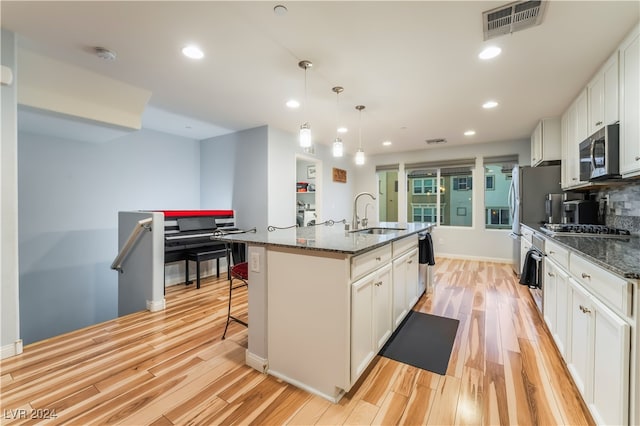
(356, 220)
(365, 219)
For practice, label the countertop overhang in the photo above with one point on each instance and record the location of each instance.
(332, 238)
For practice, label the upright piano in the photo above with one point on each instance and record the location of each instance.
(187, 236)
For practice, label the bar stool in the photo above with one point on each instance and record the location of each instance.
(237, 272)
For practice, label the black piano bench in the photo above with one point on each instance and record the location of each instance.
(199, 256)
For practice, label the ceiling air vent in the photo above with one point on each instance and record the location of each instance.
(512, 17)
(435, 141)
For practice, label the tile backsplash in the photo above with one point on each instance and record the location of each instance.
(623, 210)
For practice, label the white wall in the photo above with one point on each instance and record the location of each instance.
(70, 193)
(10, 327)
(475, 242)
(234, 175)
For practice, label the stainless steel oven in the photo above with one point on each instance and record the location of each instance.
(533, 270)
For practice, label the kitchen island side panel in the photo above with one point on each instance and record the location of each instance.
(309, 319)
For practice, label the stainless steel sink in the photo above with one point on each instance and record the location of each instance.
(378, 231)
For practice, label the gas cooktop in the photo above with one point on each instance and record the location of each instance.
(583, 230)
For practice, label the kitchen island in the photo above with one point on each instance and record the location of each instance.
(323, 300)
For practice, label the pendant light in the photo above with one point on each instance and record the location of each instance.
(305, 128)
(360, 152)
(338, 147)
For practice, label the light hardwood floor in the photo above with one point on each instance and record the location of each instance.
(171, 367)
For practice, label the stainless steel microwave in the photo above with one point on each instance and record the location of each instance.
(600, 155)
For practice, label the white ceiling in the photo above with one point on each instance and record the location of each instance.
(414, 65)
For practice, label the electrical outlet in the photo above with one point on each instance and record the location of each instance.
(255, 262)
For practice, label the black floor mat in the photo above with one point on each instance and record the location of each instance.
(424, 341)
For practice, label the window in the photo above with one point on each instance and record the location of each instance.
(497, 178)
(387, 193)
(498, 217)
(489, 182)
(440, 192)
(425, 186)
(462, 183)
(425, 212)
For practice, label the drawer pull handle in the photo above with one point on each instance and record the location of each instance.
(551, 274)
(379, 283)
(585, 310)
(574, 178)
(598, 123)
(638, 158)
(586, 276)
(378, 258)
(410, 262)
(552, 252)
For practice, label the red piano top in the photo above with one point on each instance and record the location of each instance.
(194, 213)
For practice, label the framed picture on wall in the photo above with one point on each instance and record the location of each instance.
(339, 175)
(311, 172)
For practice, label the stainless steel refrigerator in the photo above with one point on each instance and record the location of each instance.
(529, 186)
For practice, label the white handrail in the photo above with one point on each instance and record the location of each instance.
(133, 237)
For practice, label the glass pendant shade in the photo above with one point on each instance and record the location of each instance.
(305, 135)
(360, 157)
(338, 148)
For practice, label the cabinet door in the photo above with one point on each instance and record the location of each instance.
(382, 324)
(549, 306)
(595, 89)
(399, 298)
(630, 105)
(536, 145)
(562, 316)
(611, 90)
(564, 169)
(610, 367)
(362, 346)
(411, 279)
(603, 95)
(580, 337)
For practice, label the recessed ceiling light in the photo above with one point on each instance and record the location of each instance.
(386, 143)
(342, 130)
(470, 133)
(489, 104)
(489, 52)
(193, 52)
(292, 103)
(280, 10)
(104, 53)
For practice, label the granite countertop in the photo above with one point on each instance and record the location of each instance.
(618, 255)
(328, 238)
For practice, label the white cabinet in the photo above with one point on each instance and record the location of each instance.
(630, 104)
(603, 95)
(598, 358)
(580, 337)
(546, 141)
(405, 285)
(576, 131)
(370, 318)
(555, 302)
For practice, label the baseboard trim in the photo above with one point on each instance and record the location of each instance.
(477, 258)
(333, 399)
(256, 362)
(156, 305)
(12, 349)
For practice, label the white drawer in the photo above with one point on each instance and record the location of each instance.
(611, 289)
(404, 245)
(526, 233)
(557, 253)
(370, 261)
